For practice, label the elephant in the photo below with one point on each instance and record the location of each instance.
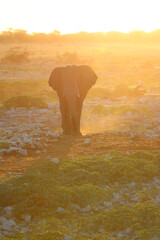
(72, 84)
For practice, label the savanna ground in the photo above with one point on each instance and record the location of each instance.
(103, 185)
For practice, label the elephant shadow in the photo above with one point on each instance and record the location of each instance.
(63, 147)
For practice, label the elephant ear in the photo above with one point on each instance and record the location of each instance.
(87, 78)
(55, 78)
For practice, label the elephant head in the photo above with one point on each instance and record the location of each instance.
(72, 84)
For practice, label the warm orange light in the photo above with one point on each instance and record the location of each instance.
(81, 15)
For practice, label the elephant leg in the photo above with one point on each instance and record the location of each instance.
(79, 111)
(74, 125)
(66, 121)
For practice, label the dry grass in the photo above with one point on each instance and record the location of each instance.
(115, 64)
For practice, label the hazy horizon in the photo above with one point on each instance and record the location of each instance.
(76, 16)
(10, 29)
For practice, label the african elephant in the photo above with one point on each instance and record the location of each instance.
(72, 84)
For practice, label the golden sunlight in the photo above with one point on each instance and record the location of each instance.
(74, 16)
(79, 119)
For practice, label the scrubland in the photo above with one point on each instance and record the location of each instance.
(103, 185)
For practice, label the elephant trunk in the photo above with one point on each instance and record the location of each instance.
(71, 105)
(71, 100)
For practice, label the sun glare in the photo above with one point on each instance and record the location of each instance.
(74, 16)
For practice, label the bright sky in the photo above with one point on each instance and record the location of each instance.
(70, 16)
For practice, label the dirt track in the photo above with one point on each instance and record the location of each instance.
(71, 147)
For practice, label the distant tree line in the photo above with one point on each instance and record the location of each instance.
(21, 36)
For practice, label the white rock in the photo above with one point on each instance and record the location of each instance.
(13, 149)
(26, 139)
(129, 114)
(9, 132)
(27, 218)
(132, 184)
(60, 209)
(127, 153)
(86, 209)
(55, 160)
(1, 236)
(55, 140)
(156, 180)
(8, 210)
(56, 134)
(76, 206)
(68, 237)
(8, 225)
(87, 141)
(2, 219)
(23, 152)
(107, 204)
(128, 230)
(44, 110)
(21, 145)
(51, 134)
(38, 151)
(101, 230)
(120, 235)
(157, 201)
(117, 196)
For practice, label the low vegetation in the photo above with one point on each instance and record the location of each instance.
(107, 197)
(24, 101)
(26, 88)
(4, 144)
(118, 91)
(19, 88)
(67, 58)
(20, 35)
(120, 110)
(94, 198)
(16, 55)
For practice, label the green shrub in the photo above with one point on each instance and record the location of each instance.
(124, 90)
(45, 187)
(24, 101)
(122, 109)
(16, 55)
(102, 93)
(4, 145)
(99, 109)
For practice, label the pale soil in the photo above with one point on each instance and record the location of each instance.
(70, 147)
(34, 131)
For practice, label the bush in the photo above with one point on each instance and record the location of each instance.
(124, 90)
(67, 58)
(99, 109)
(69, 185)
(24, 101)
(120, 90)
(16, 55)
(4, 145)
(102, 93)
